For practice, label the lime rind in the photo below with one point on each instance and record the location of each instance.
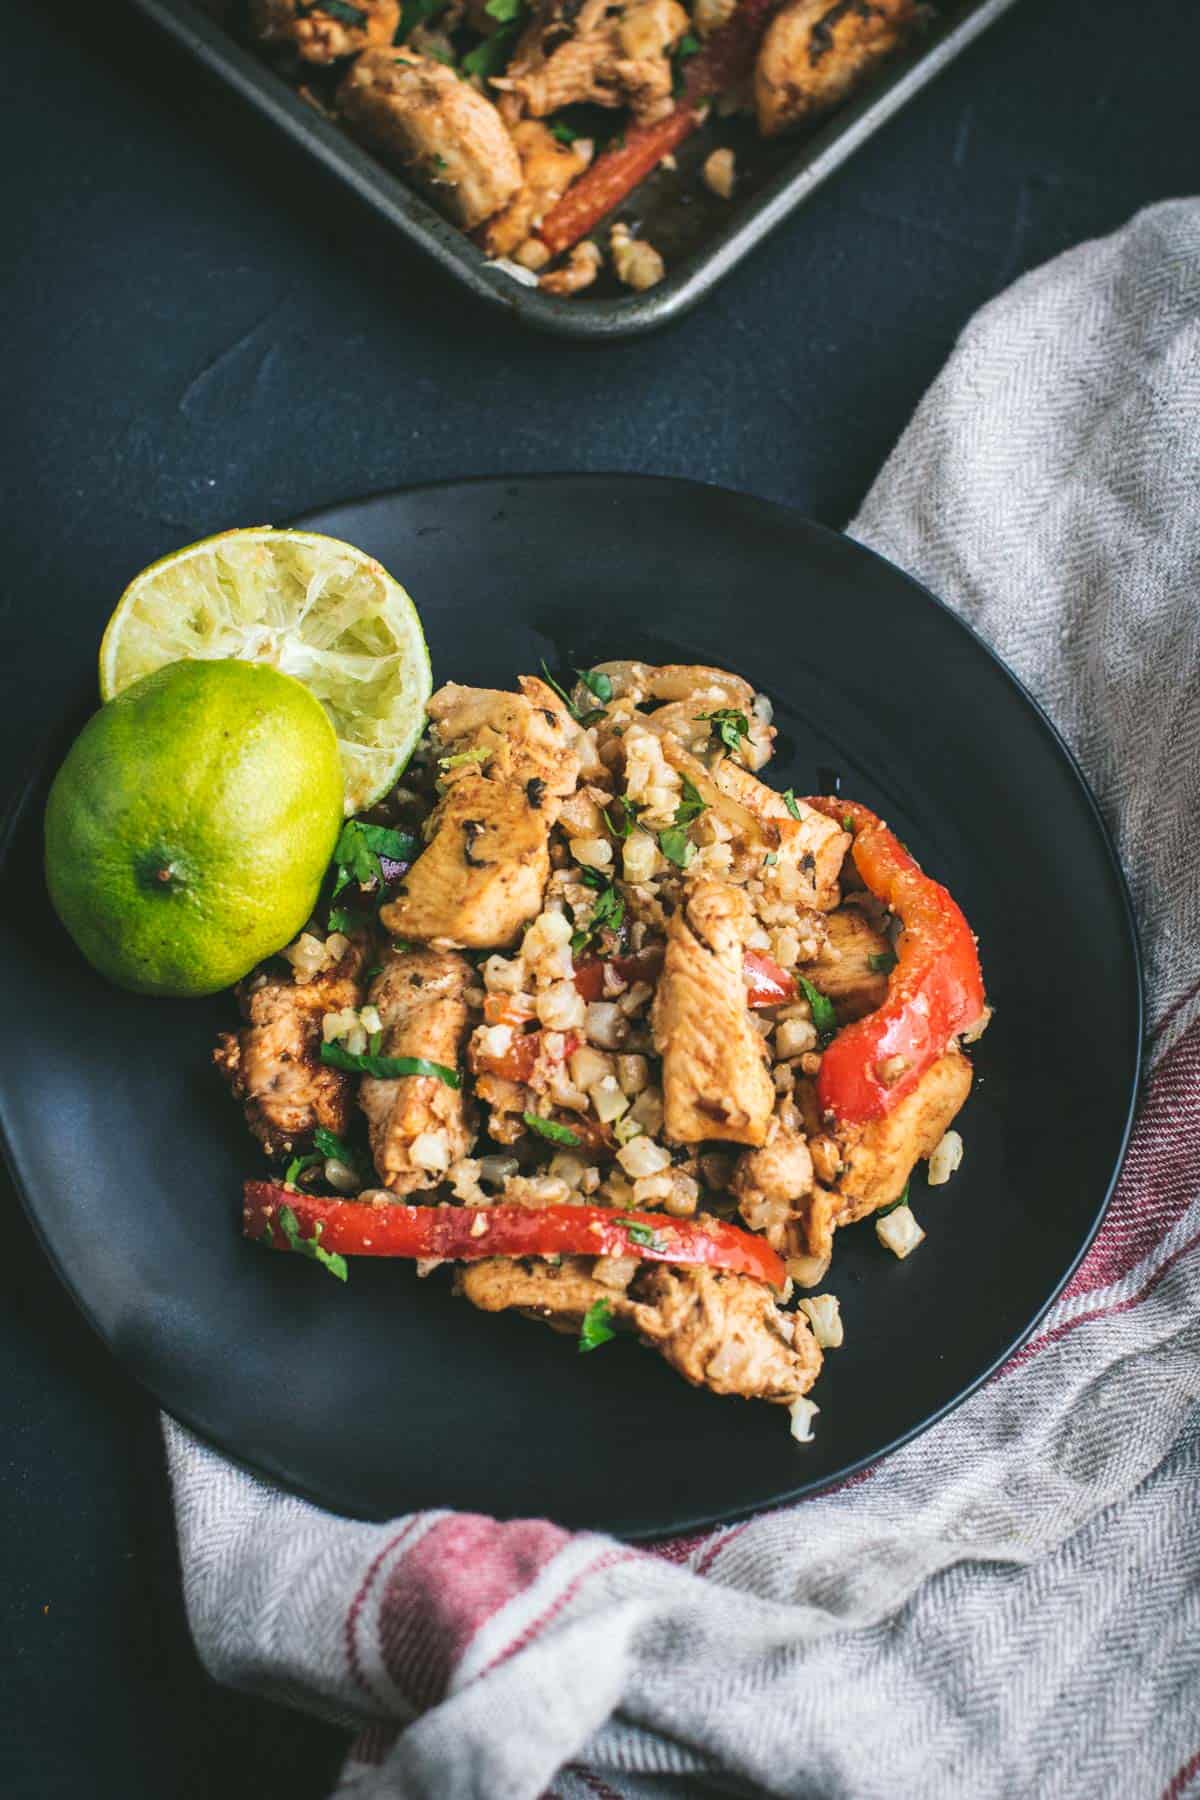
(312, 607)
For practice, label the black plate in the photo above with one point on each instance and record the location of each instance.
(388, 1394)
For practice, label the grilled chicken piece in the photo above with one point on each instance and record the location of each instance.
(862, 1168)
(606, 53)
(273, 1063)
(725, 1332)
(770, 1183)
(878, 1160)
(419, 995)
(322, 34)
(559, 1293)
(843, 972)
(816, 51)
(528, 737)
(485, 870)
(720, 1331)
(547, 170)
(715, 1078)
(810, 844)
(418, 115)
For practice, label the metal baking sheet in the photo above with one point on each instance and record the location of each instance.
(701, 237)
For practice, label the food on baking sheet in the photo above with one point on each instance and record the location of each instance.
(527, 122)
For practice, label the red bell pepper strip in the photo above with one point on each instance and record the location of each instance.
(726, 59)
(467, 1233)
(934, 992)
(766, 983)
(611, 176)
(589, 973)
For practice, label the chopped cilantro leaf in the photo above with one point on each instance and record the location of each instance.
(688, 45)
(731, 726)
(311, 1247)
(504, 11)
(675, 845)
(629, 818)
(691, 806)
(598, 684)
(491, 54)
(342, 920)
(416, 12)
(641, 1234)
(297, 1167)
(596, 712)
(331, 1145)
(789, 800)
(358, 849)
(848, 824)
(557, 1134)
(479, 754)
(562, 131)
(821, 1007)
(344, 14)
(386, 1068)
(596, 1329)
(883, 962)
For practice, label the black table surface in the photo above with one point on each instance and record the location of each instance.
(199, 331)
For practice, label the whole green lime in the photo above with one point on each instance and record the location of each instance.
(188, 829)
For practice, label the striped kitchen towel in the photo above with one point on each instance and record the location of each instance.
(1010, 1605)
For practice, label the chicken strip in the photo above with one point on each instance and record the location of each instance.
(816, 51)
(547, 170)
(725, 1332)
(418, 115)
(273, 1064)
(485, 870)
(861, 1168)
(608, 54)
(877, 1159)
(324, 34)
(715, 1078)
(852, 970)
(811, 848)
(418, 1124)
(719, 1331)
(528, 737)
(482, 877)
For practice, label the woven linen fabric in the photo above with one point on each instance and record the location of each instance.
(1009, 1605)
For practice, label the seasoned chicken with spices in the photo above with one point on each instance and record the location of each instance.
(449, 139)
(608, 54)
(815, 53)
(547, 170)
(719, 1331)
(715, 1080)
(418, 1124)
(509, 759)
(273, 1063)
(324, 34)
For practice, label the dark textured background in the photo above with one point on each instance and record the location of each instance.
(200, 332)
